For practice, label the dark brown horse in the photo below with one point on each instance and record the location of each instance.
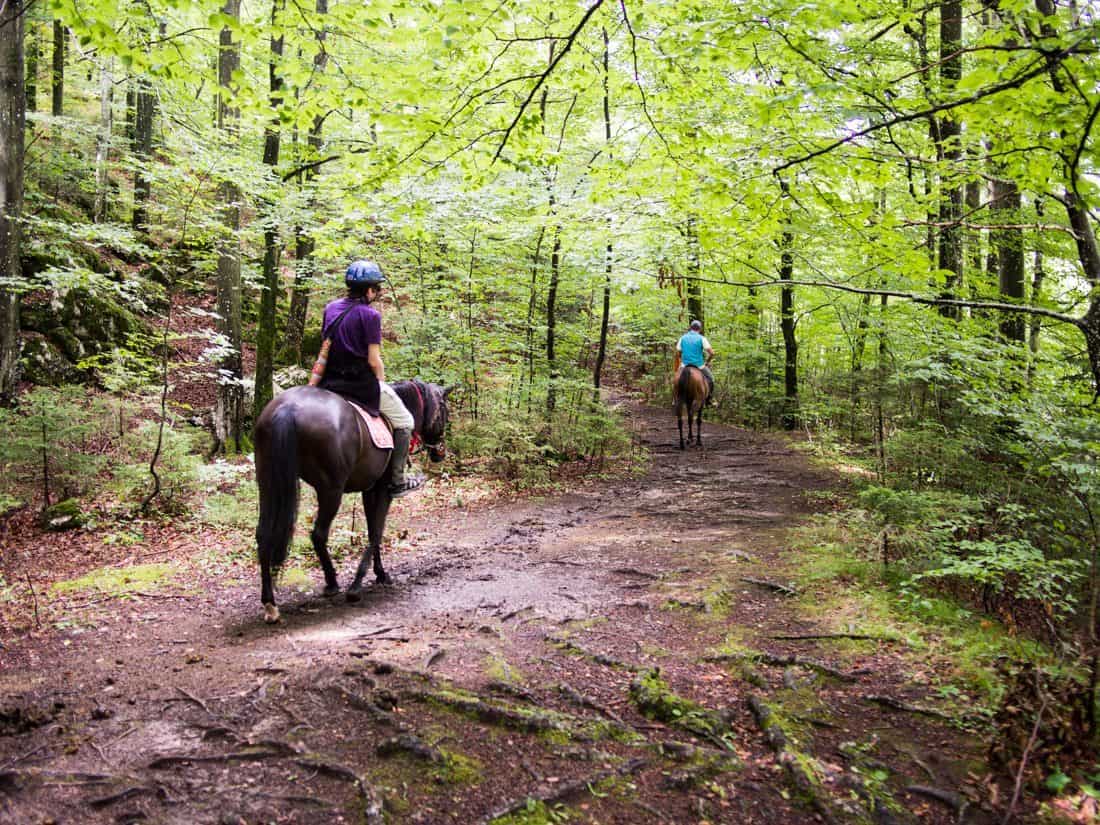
(690, 394)
(314, 435)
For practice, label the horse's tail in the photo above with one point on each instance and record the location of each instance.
(682, 388)
(277, 476)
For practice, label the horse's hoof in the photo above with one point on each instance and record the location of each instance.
(331, 591)
(384, 579)
(271, 614)
(354, 594)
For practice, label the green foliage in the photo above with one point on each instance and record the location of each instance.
(117, 581)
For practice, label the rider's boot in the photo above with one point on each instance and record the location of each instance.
(402, 483)
(710, 392)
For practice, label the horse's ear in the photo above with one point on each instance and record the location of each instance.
(449, 389)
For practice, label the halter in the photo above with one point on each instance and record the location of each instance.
(417, 441)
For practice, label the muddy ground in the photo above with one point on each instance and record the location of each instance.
(607, 656)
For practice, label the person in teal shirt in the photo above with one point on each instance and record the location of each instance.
(695, 351)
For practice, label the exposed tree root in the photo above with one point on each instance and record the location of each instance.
(778, 587)
(410, 744)
(372, 709)
(567, 790)
(864, 637)
(784, 661)
(509, 689)
(372, 805)
(957, 802)
(634, 571)
(598, 658)
(490, 714)
(897, 704)
(656, 701)
(587, 702)
(799, 778)
(121, 796)
(271, 750)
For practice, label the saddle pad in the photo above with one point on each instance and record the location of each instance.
(379, 430)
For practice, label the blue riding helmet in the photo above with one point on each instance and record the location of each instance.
(366, 273)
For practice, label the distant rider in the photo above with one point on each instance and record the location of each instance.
(695, 351)
(355, 369)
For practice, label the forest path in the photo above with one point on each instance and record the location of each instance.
(603, 655)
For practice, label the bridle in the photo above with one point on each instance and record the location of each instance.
(418, 441)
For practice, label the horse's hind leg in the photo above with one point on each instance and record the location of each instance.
(680, 424)
(267, 591)
(699, 427)
(328, 505)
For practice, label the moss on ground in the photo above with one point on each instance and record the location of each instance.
(117, 581)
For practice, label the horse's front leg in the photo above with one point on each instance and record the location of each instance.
(328, 505)
(376, 505)
(699, 427)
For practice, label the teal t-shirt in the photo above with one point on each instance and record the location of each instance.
(691, 348)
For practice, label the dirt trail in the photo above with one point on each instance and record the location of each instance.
(568, 655)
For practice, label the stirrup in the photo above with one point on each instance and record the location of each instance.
(411, 484)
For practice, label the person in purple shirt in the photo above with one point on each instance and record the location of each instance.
(355, 369)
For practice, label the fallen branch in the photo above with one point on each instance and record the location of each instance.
(190, 698)
(778, 587)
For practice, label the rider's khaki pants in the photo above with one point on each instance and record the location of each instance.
(393, 408)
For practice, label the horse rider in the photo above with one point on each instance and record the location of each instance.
(695, 351)
(355, 369)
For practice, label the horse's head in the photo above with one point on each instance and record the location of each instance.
(434, 428)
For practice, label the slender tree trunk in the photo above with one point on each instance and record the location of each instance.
(12, 126)
(304, 244)
(949, 131)
(103, 139)
(552, 320)
(1035, 326)
(57, 77)
(787, 325)
(145, 103)
(32, 67)
(694, 269)
(790, 342)
(605, 314)
(229, 406)
(265, 333)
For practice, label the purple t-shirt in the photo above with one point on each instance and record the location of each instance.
(360, 328)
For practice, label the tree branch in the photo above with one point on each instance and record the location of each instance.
(569, 40)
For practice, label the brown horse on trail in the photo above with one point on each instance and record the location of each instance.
(316, 436)
(690, 393)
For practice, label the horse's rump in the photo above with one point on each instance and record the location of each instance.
(691, 386)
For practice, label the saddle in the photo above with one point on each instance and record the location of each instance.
(380, 433)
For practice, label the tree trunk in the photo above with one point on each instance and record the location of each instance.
(229, 406)
(32, 68)
(103, 139)
(265, 333)
(57, 77)
(1035, 326)
(305, 267)
(12, 125)
(552, 320)
(790, 342)
(144, 112)
(605, 314)
(694, 269)
(1010, 256)
(948, 132)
